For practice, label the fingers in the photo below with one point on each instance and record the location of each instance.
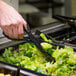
(15, 31)
(20, 31)
(24, 24)
(4, 30)
(8, 31)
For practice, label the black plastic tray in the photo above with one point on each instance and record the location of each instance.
(24, 71)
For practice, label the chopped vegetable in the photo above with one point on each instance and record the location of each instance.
(29, 56)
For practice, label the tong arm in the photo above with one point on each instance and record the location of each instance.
(37, 42)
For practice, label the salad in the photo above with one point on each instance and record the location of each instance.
(29, 56)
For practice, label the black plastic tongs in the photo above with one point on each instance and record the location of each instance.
(71, 21)
(54, 42)
(36, 41)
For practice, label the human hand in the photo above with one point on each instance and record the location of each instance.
(11, 21)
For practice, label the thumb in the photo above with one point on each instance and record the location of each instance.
(25, 24)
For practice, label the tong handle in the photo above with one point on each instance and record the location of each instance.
(27, 30)
(31, 36)
(70, 20)
(65, 17)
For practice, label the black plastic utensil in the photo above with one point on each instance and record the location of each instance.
(56, 43)
(71, 21)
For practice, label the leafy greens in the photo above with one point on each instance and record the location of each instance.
(29, 56)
